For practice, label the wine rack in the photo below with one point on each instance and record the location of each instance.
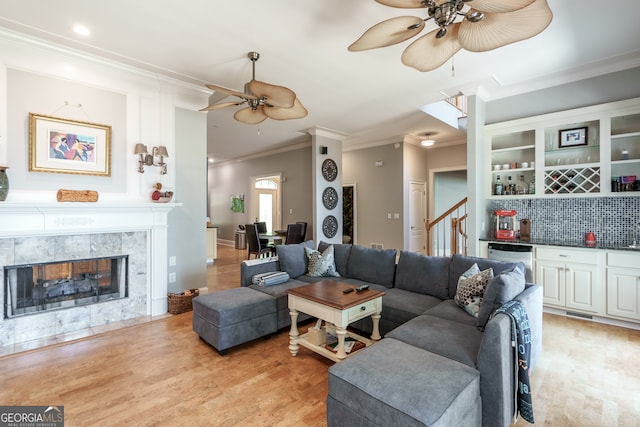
(572, 180)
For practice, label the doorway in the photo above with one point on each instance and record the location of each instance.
(266, 197)
(349, 213)
(417, 216)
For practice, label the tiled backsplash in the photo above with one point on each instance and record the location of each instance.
(566, 220)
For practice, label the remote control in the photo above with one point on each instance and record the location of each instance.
(346, 291)
(362, 288)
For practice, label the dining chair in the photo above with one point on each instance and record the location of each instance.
(304, 230)
(254, 245)
(294, 234)
(262, 229)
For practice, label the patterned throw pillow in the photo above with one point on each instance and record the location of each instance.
(471, 287)
(321, 264)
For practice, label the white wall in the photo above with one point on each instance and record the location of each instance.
(41, 78)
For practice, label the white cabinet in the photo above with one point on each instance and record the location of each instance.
(212, 244)
(572, 278)
(623, 284)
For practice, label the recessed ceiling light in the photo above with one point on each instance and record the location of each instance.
(81, 30)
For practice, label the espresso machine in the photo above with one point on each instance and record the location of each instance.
(505, 224)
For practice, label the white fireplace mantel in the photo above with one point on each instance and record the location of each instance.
(69, 218)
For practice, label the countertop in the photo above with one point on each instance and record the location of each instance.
(563, 243)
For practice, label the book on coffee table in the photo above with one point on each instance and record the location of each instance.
(350, 344)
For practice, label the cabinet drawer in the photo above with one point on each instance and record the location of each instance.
(623, 259)
(362, 310)
(568, 255)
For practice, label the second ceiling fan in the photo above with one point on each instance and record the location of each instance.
(264, 100)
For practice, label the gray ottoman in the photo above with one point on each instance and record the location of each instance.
(394, 383)
(234, 316)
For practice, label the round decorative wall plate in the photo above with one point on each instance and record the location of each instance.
(330, 226)
(329, 170)
(330, 198)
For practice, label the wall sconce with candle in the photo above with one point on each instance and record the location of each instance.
(149, 159)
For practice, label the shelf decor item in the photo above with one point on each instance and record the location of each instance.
(4, 183)
(68, 146)
(573, 137)
(77, 196)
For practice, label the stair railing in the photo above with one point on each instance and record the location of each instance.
(447, 234)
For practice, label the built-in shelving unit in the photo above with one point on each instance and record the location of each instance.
(577, 152)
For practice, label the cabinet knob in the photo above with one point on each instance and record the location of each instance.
(363, 308)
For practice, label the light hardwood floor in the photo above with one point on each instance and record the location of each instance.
(161, 373)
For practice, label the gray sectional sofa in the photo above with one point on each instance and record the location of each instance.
(437, 365)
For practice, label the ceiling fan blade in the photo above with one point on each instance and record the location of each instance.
(296, 112)
(278, 96)
(249, 116)
(500, 29)
(230, 91)
(499, 6)
(404, 4)
(428, 52)
(387, 33)
(222, 105)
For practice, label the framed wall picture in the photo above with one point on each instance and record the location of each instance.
(69, 146)
(573, 137)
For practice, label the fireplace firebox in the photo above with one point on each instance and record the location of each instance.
(40, 287)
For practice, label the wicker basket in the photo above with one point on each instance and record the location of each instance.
(179, 303)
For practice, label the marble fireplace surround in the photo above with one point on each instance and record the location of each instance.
(59, 231)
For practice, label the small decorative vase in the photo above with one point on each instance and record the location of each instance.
(4, 183)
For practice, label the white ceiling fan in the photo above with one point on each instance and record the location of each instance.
(264, 100)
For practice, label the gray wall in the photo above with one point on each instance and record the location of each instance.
(450, 187)
(232, 178)
(187, 223)
(596, 90)
(380, 192)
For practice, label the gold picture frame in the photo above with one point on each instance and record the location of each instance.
(60, 145)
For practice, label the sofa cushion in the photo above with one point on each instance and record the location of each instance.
(423, 274)
(447, 338)
(341, 254)
(372, 265)
(402, 306)
(293, 259)
(502, 288)
(280, 291)
(321, 264)
(461, 263)
(449, 310)
(471, 286)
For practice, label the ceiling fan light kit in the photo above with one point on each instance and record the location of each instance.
(263, 100)
(474, 25)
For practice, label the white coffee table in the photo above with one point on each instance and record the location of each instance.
(326, 300)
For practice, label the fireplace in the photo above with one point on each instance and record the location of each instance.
(135, 234)
(40, 287)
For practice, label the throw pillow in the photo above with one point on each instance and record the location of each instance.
(471, 288)
(321, 264)
(501, 289)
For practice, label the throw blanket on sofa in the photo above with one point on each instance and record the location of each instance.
(270, 278)
(521, 335)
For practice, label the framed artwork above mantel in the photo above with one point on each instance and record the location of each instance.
(59, 145)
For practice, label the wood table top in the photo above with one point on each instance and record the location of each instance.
(330, 293)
